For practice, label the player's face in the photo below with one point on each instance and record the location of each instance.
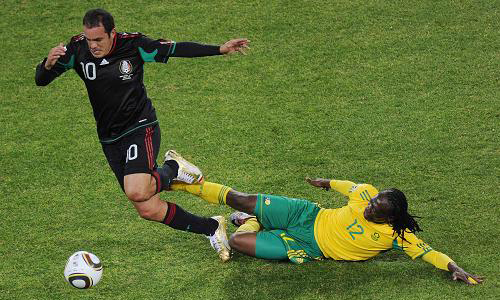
(378, 210)
(100, 43)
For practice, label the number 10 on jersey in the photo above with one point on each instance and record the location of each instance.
(89, 71)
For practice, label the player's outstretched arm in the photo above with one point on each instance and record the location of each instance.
(458, 273)
(191, 49)
(438, 259)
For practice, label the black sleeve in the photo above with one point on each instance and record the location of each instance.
(190, 49)
(64, 63)
(44, 76)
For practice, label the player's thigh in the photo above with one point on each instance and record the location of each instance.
(139, 186)
(134, 154)
(141, 150)
(116, 156)
(269, 245)
(278, 212)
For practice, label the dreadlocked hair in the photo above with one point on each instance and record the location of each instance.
(401, 221)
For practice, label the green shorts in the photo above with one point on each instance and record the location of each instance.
(288, 229)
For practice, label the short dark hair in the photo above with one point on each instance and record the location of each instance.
(400, 220)
(96, 17)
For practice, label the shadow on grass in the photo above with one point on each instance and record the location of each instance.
(328, 279)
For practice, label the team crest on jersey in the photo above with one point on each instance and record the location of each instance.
(126, 69)
(375, 236)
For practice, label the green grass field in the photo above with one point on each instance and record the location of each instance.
(394, 93)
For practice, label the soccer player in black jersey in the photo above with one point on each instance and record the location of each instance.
(111, 64)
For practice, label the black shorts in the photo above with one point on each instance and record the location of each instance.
(134, 153)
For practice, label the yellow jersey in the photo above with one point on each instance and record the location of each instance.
(345, 234)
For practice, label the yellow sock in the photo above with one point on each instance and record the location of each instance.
(211, 192)
(251, 225)
(194, 189)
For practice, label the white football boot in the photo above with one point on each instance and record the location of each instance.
(219, 240)
(238, 218)
(188, 172)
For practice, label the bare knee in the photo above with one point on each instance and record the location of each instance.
(139, 198)
(153, 209)
(236, 241)
(243, 242)
(137, 193)
(138, 187)
(150, 212)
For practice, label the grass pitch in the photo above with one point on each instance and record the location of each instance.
(398, 94)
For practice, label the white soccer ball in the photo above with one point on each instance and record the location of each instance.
(83, 270)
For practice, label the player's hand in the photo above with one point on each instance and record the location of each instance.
(459, 274)
(54, 55)
(236, 45)
(319, 182)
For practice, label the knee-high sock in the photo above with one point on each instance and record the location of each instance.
(250, 225)
(180, 219)
(211, 192)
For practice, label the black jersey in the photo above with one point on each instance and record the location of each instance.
(115, 82)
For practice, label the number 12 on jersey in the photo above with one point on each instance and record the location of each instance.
(356, 230)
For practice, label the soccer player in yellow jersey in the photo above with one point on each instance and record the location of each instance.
(281, 228)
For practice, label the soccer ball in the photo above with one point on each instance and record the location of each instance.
(83, 270)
